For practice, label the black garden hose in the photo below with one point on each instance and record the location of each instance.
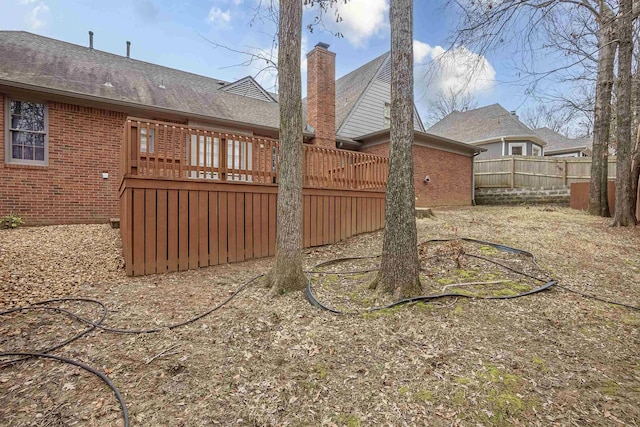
(98, 324)
(42, 305)
(547, 283)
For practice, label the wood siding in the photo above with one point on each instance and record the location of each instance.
(530, 172)
(368, 114)
(169, 225)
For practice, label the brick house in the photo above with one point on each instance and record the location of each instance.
(63, 109)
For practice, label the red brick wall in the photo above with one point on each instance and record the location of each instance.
(321, 96)
(83, 143)
(450, 175)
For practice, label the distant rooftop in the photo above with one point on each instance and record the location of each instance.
(481, 124)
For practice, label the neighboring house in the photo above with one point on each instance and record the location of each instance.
(493, 128)
(560, 146)
(63, 109)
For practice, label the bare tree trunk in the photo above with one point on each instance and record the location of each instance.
(625, 214)
(598, 198)
(635, 174)
(635, 128)
(287, 274)
(400, 269)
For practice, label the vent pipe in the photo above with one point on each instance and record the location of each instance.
(128, 49)
(91, 40)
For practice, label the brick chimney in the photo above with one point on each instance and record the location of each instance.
(321, 95)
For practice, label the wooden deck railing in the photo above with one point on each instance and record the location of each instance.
(167, 150)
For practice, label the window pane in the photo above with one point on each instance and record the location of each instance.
(216, 152)
(18, 137)
(27, 116)
(39, 152)
(16, 152)
(27, 153)
(152, 135)
(516, 151)
(16, 107)
(38, 139)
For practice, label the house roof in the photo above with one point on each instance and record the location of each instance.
(30, 60)
(419, 136)
(557, 143)
(351, 86)
(482, 125)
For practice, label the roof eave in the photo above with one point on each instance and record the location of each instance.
(153, 108)
(533, 138)
(442, 140)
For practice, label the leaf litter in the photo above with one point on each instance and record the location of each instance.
(552, 358)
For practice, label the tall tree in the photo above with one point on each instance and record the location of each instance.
(287, 274)
(625, 214)
(399, 269)
(598, 197)
(487, 25)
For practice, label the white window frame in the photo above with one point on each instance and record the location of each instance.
(518, 144)
(533, 148)
(8, 152)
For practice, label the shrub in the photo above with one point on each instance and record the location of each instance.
(11, 221)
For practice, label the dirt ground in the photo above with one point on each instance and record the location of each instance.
(552, 358)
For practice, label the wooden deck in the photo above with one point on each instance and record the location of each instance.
(192, 198)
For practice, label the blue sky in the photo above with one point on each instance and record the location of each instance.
(173, 33)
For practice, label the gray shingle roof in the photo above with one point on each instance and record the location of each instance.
(351, 86)
(481, 124)
(30, 59)
(559, 143)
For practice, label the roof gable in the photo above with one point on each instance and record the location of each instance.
(350, 87)
(247, 86)
(362, 111)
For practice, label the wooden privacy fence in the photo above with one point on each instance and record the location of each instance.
(167, 150)
(529, 172)
(180, 208)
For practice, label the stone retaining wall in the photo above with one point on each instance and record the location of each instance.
(516, 196)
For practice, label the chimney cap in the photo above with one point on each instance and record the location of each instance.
(322, 45)
(513, 112)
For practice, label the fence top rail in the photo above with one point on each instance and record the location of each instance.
(612, 159)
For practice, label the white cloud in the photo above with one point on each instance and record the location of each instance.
(27, 1)
(218, 15)
(35, 19)
(361, 19)
(458, 70)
